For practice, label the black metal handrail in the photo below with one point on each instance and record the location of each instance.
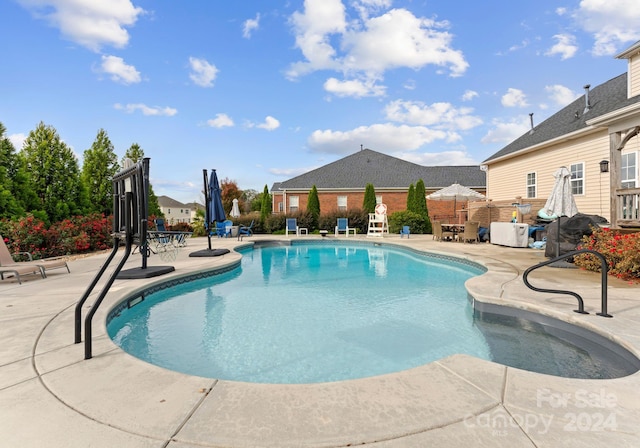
(604, 269)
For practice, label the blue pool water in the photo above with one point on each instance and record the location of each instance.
(315, 312)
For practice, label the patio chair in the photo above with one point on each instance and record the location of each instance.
(405, 231)
(245, 230)
(223, 228)
(470, 232)
(343, 226)
(7, 263)
(438, 233)
(292, 226)
(175, 237)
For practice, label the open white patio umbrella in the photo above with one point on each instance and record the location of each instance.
(235, 210)
(455, 192)
(560, 202)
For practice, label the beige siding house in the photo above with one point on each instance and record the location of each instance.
(595, 137)
(175, 211)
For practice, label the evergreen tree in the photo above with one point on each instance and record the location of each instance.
(265, 209)
(10, 206)
(99, 166)
(369, 202)
(55, 174)
(421, 204)
(136, 154)
(313, 207)
(411, 199)
(421, 199)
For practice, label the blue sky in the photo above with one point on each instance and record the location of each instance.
(266, 90)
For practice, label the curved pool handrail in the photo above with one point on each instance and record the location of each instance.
(604, 269)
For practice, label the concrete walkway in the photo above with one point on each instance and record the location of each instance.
(51, 397)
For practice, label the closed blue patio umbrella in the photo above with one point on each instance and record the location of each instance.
(214, 211)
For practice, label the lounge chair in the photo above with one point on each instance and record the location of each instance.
(7, 263)
(405, 231)
(470, 232)
(292, 226)
(343, 226)
(17, 270)
(245, 230)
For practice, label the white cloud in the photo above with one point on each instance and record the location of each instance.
(561, 11)
(439, 115)
(468, 95)
(203, 73)
(514, 98)
(220, 121)
(290, 172)
(17, 140)
(249, 26)
(560, 94)
(313, 28)
(612, 23)
(118, 71)
(504, 132)
(384, 137)
(445, 158)
(369, 46)
(565, 46)
(90, 23)
(353, 88)
(269, 124)
(367, 7)
(146, 110)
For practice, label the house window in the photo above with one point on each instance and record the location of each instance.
(531, 185)
(342, 203)
(378, 199)
(629, 170)
(577, 178)
(293, 203)
(280, 206)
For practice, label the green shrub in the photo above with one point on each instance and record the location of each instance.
(416, 222)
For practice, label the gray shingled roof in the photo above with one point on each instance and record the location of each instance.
(166, 201)
(383, 171)
(605, 98)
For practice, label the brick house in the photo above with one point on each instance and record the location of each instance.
(341, 184)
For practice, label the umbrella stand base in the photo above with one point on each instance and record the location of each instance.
(148, 272)
(209, 253)
(562, 264)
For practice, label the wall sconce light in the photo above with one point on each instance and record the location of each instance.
(604, 166)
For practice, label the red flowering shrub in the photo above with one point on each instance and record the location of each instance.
(622, 252)
(72, 236)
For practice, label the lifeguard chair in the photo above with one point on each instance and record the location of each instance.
(378, 223)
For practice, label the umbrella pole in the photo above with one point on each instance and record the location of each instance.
(207, 212)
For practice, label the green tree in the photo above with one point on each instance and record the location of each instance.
(55, 174)
(10, 205)
(313, 205)
(99, 166)
(421, 204)
(265, 209)
(369, 202)
(136, 154)
(411, 198)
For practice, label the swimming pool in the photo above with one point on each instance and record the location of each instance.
(308, 313)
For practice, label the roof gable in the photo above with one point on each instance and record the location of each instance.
(605, 98)
(383, 171)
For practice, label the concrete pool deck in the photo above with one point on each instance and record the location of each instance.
(50, 396)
